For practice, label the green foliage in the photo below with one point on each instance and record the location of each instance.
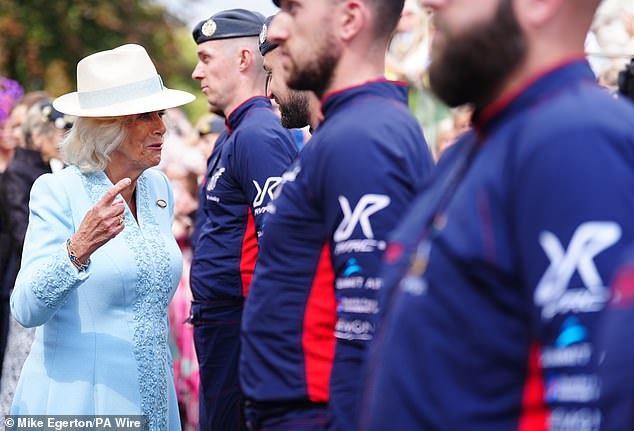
(42, 41)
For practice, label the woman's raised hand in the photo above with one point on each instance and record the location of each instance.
(103, 222)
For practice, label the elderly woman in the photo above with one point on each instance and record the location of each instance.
(100, 263)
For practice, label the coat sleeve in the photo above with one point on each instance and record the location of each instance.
(46, 277)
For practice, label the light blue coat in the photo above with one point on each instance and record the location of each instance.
(101, 340)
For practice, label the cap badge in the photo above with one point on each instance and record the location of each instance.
(263, 33)
(209, 27)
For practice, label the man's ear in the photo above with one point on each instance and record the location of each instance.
(352, 17)
(535, 13)
(246, 59)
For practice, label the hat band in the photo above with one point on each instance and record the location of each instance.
(120, 94)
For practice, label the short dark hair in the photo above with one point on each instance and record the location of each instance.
(387, 13)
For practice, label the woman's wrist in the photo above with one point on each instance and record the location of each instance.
(78, 261)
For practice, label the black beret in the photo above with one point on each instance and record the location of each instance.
(229, 24)
(265, 44)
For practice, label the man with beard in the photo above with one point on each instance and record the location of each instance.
(308, 318)
(496, 280)
(297, 108)
(243, 172)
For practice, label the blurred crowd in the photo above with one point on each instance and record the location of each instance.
(31, 130)
(609, 45)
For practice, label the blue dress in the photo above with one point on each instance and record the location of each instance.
(101, 340)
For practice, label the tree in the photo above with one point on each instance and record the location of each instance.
(42, 41)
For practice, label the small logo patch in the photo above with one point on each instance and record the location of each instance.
(263, 33)
(209, 27)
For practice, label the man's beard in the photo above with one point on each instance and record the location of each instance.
(294, 111)
(317, 74)
(472, 66)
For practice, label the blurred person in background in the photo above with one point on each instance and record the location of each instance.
(183, 167)
(10, 92)
(408, 53)
(13, 139)
(243, 172)
(610, 44)
(12, 133)
(209, 128)
(496, 279)
(450, 129)
(42, 131)
(100, 263)
(180, 150)
(407, 59)
(462, 117)
(186, 372)
(445, 137)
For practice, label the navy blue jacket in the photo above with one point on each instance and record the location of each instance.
(242, 175)
(307, 321)
(616, 370)
(497, 276)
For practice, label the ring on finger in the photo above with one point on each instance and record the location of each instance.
(120, 218)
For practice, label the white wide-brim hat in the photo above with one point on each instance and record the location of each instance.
(120, 81)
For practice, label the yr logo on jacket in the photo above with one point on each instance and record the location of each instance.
(554, 292)
(268, 190)
(367, 206)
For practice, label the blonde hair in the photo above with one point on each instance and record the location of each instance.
(90, 141)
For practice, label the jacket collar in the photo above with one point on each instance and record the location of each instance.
(334, 101)
(540, 88)
(239, 113)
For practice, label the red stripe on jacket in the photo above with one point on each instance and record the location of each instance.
(249, 254)
(534, 414)
(318, 340)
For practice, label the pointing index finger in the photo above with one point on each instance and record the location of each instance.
(109, 196)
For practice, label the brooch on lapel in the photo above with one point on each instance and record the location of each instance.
(161, 203)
